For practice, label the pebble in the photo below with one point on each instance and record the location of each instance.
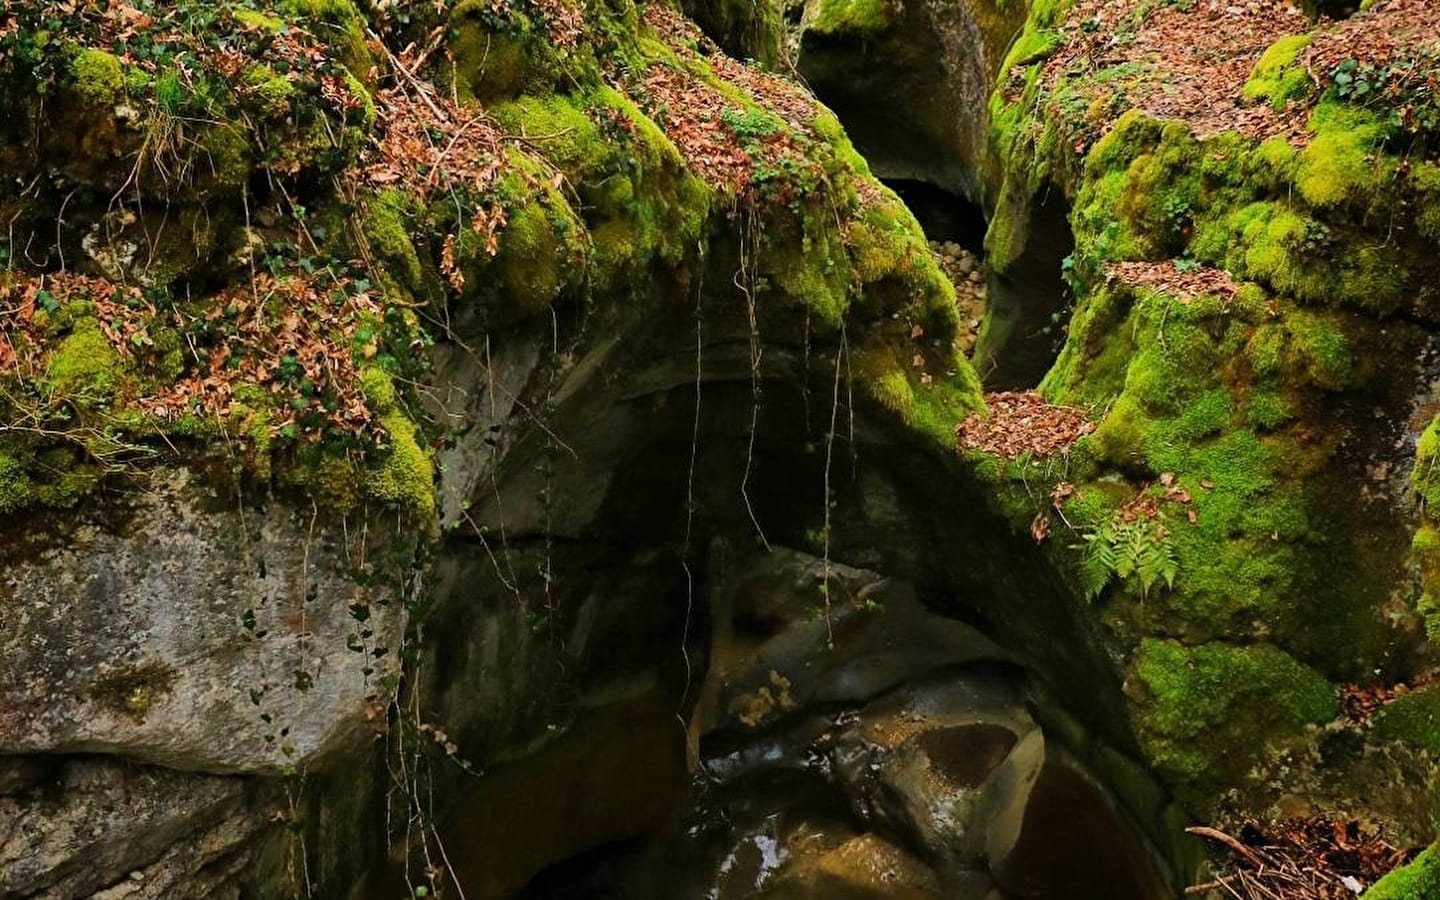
(976, 278)
(967, 264)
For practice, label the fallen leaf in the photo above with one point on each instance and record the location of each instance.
(1040, 527)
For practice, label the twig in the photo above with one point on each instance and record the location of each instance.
(1223, 838)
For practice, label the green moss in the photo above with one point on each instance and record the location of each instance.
(530, 258)
(1277, 77)
(1268, 410)
(1413, 719)
(1425, 178)
(227, 155)
(341, 26)
(854, 17)
(274, 91)
(1321, 349)
(930, 409)
(383, 224)
(405, 476)
(490, 64)
(804, 259)
(1031, 47)
(1425, 477)
(259, 21)
(379, 390)
(558, 126)
(84, 363)
(1207, 713)
(98, 76)
(54, 478)
(1420, 880)
(882, 238)
(1340, 162)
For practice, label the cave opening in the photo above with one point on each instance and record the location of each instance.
(1029, 301)
(945, 215)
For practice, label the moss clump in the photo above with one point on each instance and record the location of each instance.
(503, 52)
(403, 473)
(931, 407)
(274, 91)
(1420, 880)
(55, 477)
(532, 258)
(1413, 719)
(1276, 76)
(559, 127)
(405, 476)
(383, 224)
(341, 26)
(98, 76)
(854, 17)
(1425, 477)
(259, 21)
(1207, 713)
(133, 691)
(84, 363)
(1340, 163)
(1425, 179)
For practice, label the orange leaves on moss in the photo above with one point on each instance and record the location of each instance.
(1021, 423)
(290, 337)
(1167, 277)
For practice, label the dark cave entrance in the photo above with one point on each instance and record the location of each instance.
(1030, 301)
(944, 215)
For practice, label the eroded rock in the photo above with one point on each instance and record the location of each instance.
(202, 635)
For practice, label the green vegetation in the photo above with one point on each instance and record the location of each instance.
(1229, 295)
(1413, 719)
(1277, 76)
(574, 197)
(855, 17)
(1416, 881)
(1198, 707)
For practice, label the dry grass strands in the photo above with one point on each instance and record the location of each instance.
(1301, 859)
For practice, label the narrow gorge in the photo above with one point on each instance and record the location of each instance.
(484, 449)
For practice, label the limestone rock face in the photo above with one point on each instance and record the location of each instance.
(108, 829)
(233, 640)
(911, 81)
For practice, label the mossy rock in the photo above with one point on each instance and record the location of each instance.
(99, 77)
(856, 18)
(1277, 77)
(1206, 714)
(1419, 880)
(1413, 719)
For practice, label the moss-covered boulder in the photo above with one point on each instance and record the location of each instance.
(1242, 249)
(1420, 878)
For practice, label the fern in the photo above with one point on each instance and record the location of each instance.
(1118, 549)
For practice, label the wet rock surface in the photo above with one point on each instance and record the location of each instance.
(899, 760)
